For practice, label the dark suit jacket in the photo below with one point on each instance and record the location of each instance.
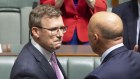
(121, 63)
(128, 12)
(31, 64)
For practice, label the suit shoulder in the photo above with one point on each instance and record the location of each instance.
(25, 59)
(122, 7)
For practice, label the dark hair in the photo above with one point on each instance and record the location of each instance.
(42, 10)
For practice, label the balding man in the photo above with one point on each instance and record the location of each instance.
(105, 36)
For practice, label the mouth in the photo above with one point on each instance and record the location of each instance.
(58, 43)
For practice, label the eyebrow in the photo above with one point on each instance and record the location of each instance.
(55, 27)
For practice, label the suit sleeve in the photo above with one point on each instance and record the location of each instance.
(92, 77)
(24, 74)
(25, 77)
(114, 10)
(117, 10)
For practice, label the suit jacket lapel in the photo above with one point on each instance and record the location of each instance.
(69, 7)
(46, 67)
(113, 53)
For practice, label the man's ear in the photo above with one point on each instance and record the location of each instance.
(35, 32)
(96, 37)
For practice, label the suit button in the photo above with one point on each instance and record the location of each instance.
(76, 16)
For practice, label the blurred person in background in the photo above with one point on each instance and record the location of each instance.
(129, 12)
(76, 15)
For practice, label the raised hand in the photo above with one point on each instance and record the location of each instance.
(58, 3)
(135, 48)
(91, 3)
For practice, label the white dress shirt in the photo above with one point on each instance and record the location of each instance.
(138, 24)
(109, 50)
(43, 51)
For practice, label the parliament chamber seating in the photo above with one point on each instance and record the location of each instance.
(14, 16)
(77, 61)
(76, 67)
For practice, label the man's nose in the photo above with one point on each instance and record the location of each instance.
(60, 33)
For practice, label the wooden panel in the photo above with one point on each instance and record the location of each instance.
(7, 54)
(75, 50)
(115, 2)
(77, 54)
(66, 50)
(58, 54)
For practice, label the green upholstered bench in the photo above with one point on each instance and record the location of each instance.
(76, 67)
(6, 63)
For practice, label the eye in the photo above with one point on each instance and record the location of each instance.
(53, 29)
(62, 28)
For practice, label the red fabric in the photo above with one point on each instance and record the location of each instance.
(52, 2)
(77, 17)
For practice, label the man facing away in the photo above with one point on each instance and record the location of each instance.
(105, 31)
(36, 60)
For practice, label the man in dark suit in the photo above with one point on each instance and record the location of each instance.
(129, 13)
(105, 36)
(35, 59)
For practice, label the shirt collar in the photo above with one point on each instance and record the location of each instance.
(43, 51)
(109, 50)
(139, 8)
